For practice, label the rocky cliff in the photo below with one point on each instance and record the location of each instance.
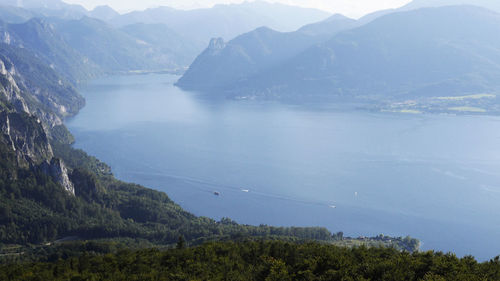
(22, 128)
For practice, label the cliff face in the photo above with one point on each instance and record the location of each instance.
(58, 171)
(29, 85)
(26, 131)
(26, 136)
(10, 92)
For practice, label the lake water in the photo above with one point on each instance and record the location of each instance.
(433, 177)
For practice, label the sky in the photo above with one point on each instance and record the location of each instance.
(351, 8)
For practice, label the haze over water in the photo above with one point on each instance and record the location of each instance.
(432, 177)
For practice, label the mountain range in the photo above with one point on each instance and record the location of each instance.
(225, 21)
(431, 51)
(155, 39)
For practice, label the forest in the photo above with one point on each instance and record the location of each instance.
(256, 260)
(34, 209)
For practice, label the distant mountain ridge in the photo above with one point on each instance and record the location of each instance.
(169, 43)
(85, 48)
(154, 39)
(225, 21)
(112, 49)
(493, 5)
(256, 51)
(417, 4)
(329, 26)
(414, 53)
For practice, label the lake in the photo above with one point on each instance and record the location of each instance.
(433, 177)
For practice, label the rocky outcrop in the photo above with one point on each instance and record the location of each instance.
(26, 136)
(25, 133)
(9, 91)
(216, 44)
(58, 171)
(44, 95)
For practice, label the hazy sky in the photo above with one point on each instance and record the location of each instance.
(352, 8)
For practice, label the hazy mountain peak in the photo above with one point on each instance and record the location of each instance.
(329, 26)
(104, 8)
(104, 12)
(265, 29)
(336, 17)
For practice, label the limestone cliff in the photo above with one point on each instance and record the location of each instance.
(58, 171)
(22, 128)
(26, 136)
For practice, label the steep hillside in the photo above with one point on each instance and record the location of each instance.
(169, 43)
(40, 37)
(112, 49)
(35, 88)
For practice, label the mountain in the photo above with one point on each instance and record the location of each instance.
(41, 38)
(84, 48)
(330, 26)
(112, 49)
(37, 4)
(48, 8)
(155, 39)
(39, 88)
(419, 4)
(168, 42)
(225, 21)
(12, 14)
(33, 101)
(243, 56)
(426, 52)
(104, 13)
(256, 51)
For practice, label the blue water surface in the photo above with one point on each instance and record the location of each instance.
(433, 177)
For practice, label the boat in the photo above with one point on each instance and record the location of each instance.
(216, 193)
(245, 190)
